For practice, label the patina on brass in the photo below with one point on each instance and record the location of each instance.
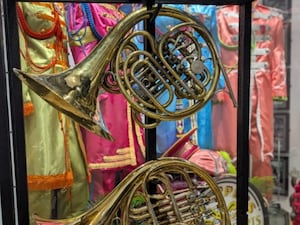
(173, 67)
(183, 193)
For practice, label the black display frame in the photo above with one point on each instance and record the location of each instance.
(12, 131)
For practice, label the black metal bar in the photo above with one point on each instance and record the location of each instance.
(206, 2)
(150, 134)
(243, 113)
(6, 178)
(200, 2)
(16, 105)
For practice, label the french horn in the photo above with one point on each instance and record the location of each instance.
(173, 67)
(164, 191)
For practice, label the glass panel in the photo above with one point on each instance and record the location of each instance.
(184, 78)
(68, 174)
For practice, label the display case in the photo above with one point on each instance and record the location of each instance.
(14, 198)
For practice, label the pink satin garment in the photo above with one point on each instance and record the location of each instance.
(109, 161)
(209, 160)
(268, 82)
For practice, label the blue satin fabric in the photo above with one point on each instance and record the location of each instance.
(167, 130)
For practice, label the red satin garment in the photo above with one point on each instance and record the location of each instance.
(268, 82)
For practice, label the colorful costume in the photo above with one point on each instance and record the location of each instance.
(53, 141)
(202, 120)
(167, 132)
(268, 83)
(109, 161)
(216, 163)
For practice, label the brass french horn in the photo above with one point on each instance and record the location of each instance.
(164, 191)
(173, 67)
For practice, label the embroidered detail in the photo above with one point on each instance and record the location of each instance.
(261, 51)
(130, 137)
(259, 65)
(46, 5)
(262, 38)
(179, 128)
(49, 182)
(234, 25)
(231, 47)
(120, 157)
(194, 124)
(86, 8)
(231, 14)
(269, 154)
(54, 31)
(179, 123)
(261, 15)
(261, 28)
(110, 165)
(64, 178)
(28, 108)
(140, 139)
(88, 37)
(124, 156)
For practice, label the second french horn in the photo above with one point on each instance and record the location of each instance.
(161, 192)
(173, 67)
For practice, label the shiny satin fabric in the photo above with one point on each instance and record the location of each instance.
(108, 161)
(87, 24)
(52, 143)
(267, 83)
(211, 161)
(168, 132)
(202, 120)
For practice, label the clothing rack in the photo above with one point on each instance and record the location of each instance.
(13, 177)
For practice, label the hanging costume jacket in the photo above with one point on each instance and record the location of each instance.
(267, 83)
(108, 161)
(168, 132)
(53, 141)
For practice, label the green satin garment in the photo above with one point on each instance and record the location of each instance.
(56, 164)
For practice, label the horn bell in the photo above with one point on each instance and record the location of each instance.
(64, 99)
(74, 91)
